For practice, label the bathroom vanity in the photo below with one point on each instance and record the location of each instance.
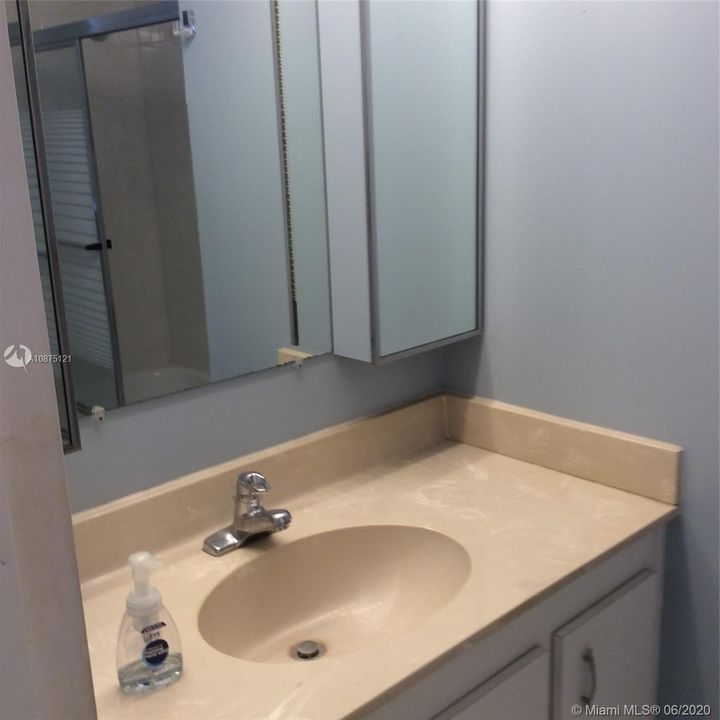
(456, 558)
(594, 641)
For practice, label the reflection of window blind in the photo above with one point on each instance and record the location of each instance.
(74, 216)
(31, 170)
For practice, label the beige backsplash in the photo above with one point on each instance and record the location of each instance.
(201, 502)
(628, 462)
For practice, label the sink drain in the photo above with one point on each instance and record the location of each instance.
(307, 650)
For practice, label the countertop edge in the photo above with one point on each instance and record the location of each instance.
(488, 630)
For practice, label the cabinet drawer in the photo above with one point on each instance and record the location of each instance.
(608, 655)
(520, 691)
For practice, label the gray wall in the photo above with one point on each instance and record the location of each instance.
(602, 257)
(143, 445)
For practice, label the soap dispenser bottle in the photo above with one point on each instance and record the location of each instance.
(148, 647)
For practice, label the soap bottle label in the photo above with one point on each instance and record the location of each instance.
(156, 649)
(156, 652)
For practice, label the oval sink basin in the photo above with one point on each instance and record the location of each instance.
(342, 589)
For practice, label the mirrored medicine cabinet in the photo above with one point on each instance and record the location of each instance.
(226, 186)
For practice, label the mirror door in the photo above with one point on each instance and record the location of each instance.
(186, 184)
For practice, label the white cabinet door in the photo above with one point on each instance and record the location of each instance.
(520, 691)
(608, 655)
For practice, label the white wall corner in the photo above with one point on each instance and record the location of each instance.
(43, 650)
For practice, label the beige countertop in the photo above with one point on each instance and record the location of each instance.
(527, 529)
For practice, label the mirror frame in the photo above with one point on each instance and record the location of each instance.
(27, 44)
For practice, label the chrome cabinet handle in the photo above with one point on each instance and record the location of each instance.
(589, 657)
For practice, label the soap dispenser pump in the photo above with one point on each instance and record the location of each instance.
(148, 648)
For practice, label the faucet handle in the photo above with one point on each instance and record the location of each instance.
(252, 483)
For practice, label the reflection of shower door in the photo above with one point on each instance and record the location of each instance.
(141, 141)
(77, 214)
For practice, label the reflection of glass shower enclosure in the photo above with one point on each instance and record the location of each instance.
(112, 104)
(79, 230)
(141, 141)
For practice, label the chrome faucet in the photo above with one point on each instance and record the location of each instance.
(251, 519)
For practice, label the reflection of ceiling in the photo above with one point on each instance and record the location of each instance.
(49, 13)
